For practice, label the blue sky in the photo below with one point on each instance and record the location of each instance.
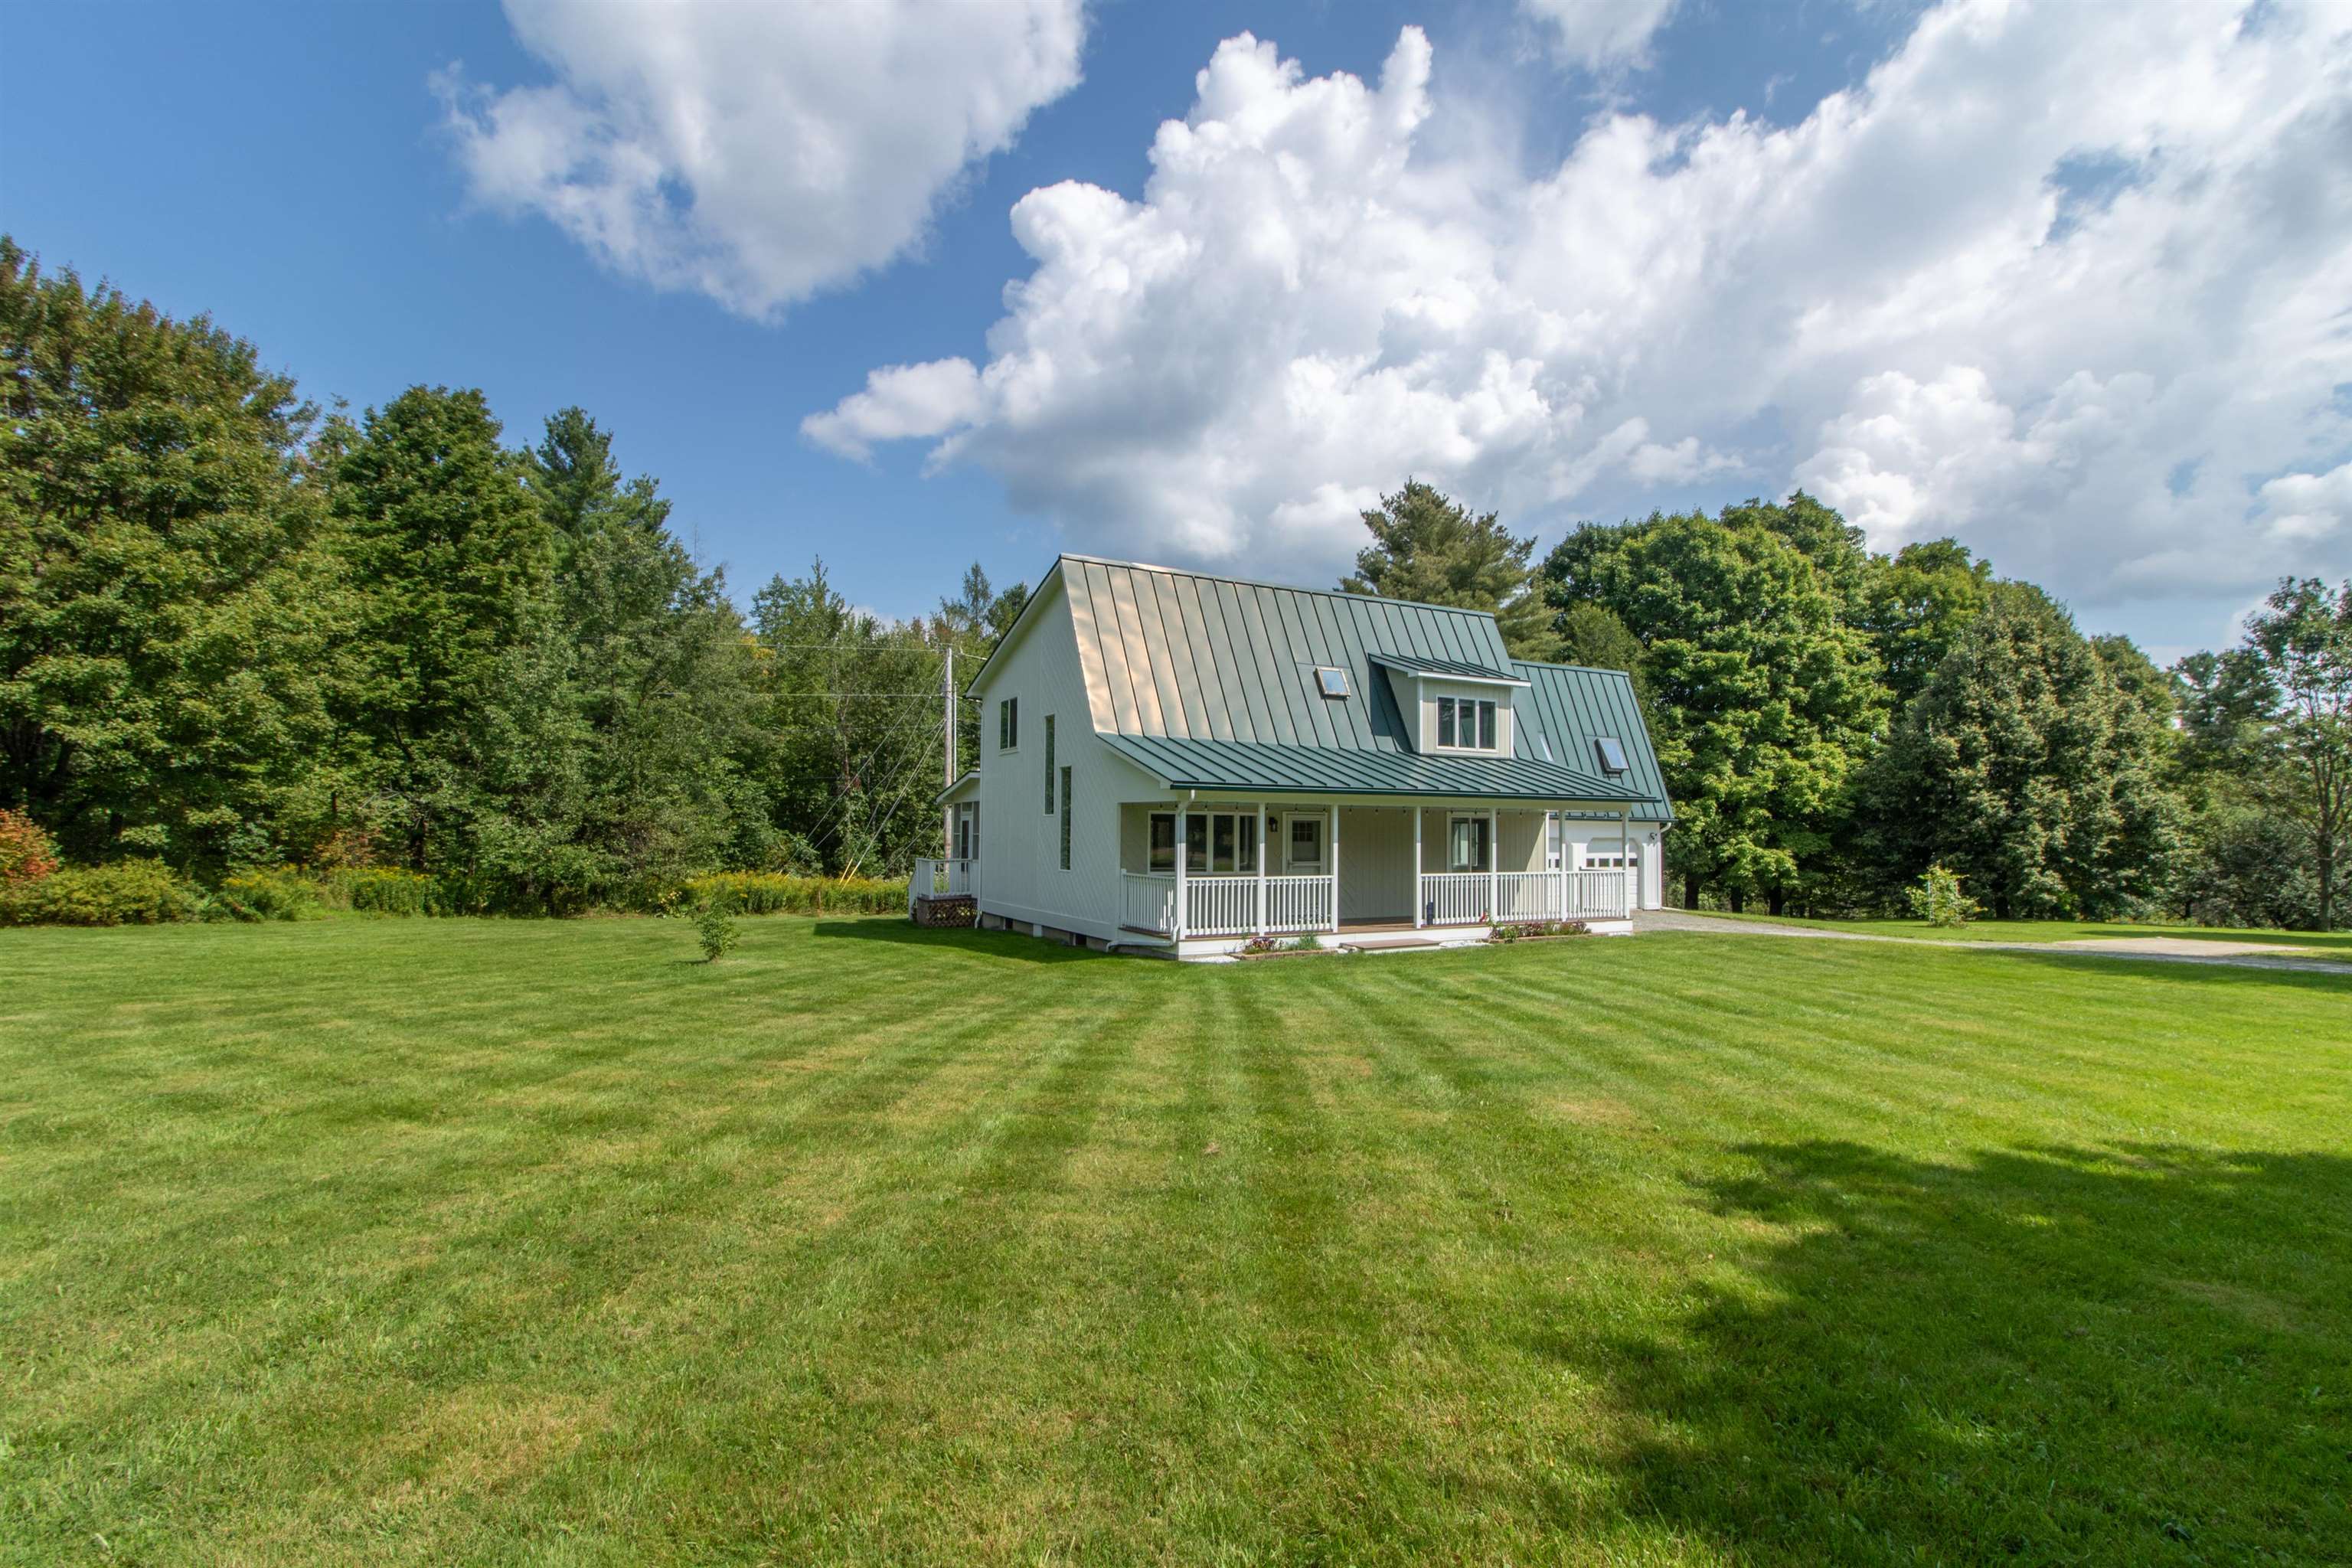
(1624, 257)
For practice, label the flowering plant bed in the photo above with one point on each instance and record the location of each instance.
(1273, 947)
(1538, 930)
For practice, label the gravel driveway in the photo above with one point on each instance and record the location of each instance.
(2155, 949)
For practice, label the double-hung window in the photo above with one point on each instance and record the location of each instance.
(1466, 723)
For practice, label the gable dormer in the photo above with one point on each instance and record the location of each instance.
(1452, 707)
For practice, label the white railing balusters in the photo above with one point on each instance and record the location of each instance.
(1480, 898)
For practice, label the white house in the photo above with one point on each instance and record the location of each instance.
(1176, 762)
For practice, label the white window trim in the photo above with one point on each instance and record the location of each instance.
(1436, 734)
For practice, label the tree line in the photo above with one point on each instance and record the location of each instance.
(235, 634)
(1832, 721)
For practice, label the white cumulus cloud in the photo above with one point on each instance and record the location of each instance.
(756, 152)
(2069, 281)
(1601, 34)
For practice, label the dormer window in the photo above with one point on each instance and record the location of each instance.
(1331, 682)
(1611, 754)
(1465, 723)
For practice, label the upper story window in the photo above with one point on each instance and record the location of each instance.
(1331, 682)
(1610, 753)
(1466, 723)
(1008, 724)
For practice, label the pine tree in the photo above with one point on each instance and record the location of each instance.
(1430, 549)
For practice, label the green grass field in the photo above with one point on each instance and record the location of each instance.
(2321, 944)
(415, 1241)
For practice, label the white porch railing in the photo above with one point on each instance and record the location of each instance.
(1220, 906)
(938, 879)
(1454, 898)
(1150, 901)
(1298, 903)
(1527, 896)
(1596, 896)
(1225, 906)
(1474, 897)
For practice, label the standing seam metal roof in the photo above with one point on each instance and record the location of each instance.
(1571, 705)
(1209, 683)
(1190, 656)
(1256, 765)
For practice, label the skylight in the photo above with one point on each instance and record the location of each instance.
(1331, 682)
(1613, 754)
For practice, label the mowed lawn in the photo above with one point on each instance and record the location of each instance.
(535, 1242)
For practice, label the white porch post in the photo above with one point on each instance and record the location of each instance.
(1559, 888)
(1418, 865)
(1261, 868)
(1182, 824)
(1335, 869)
(1625, 852)
(1494, 863)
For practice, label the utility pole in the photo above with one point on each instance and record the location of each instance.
(949, 746)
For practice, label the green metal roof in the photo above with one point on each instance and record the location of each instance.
(1214, 659)
(1209, 683)
(1567, 707)
(1460, 669)
(1182, 763)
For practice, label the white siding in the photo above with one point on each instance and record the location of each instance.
(1021, 876)
(1376, 863)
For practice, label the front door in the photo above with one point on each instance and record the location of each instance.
(1302, 840)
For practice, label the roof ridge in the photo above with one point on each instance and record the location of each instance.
(1587, 668)
(1262, 583)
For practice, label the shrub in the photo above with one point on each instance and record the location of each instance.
(380, 890)
(1939, 901)
(26, 854)
(128, 892)
(1307, 942)
(778, 893)
(267, 895)
(714, 927)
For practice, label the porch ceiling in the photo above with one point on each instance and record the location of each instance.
(1182, 763)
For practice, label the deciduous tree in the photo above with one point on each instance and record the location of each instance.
(2024, 766)
(165, 628)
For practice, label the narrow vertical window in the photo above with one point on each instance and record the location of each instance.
(1065, 808)
(1049, 771)
(1445, 720)
(1486, 725)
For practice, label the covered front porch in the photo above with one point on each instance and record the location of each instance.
(1205, 876)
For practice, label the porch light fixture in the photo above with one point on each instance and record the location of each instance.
(1331, 682)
